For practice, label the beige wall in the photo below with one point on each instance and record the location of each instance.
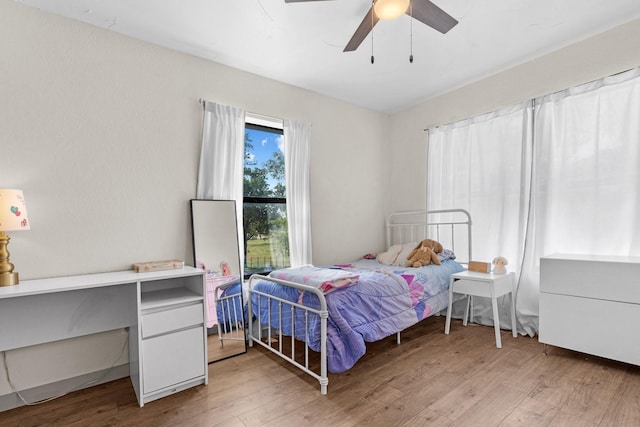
(609, 53)
(102, 132)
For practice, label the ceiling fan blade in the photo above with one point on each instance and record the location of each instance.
(430, 14)
(367, 24)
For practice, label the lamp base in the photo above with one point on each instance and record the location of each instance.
(7, 276)
(9, 279)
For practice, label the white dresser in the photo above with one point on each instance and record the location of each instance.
(163, 310)
(591, 304)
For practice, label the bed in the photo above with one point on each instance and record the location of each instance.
(335, 310)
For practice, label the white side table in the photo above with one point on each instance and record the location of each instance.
(486, 285)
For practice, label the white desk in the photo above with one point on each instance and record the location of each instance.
(488, 285)
(160, 308)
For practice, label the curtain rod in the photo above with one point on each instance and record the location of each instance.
(203, 101)
(542, 96)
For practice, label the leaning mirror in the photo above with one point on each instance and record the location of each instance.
(216, 250)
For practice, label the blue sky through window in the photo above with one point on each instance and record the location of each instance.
(264, 145)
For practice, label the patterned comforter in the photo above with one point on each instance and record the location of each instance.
(385, 300)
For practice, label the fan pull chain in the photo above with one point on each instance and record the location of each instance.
(372, 58)
(411, 32)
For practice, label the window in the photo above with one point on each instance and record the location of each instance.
(266, 239)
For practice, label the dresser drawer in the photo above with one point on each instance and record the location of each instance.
(174, 358)
(171, 319)
(600, 277)
(599, 327)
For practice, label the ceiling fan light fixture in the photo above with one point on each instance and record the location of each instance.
(390, 9)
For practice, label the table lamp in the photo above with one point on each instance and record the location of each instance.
(13, 216)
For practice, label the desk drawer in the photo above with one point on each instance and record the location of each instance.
(472, 287)
(173, 358)
(171, 319)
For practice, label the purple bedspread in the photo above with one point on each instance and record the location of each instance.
(386, 300)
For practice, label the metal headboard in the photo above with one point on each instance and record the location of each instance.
(450, 227)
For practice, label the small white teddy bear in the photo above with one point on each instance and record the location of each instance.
(499, 265)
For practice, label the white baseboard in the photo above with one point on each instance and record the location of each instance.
(47, 391)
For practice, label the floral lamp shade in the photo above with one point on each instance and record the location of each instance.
(13, 211)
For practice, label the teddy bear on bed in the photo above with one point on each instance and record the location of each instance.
(424, 254)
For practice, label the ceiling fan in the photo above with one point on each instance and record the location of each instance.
(422, 10)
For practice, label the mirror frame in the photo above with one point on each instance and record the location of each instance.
(214, 225)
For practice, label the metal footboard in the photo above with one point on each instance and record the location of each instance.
(273, 338)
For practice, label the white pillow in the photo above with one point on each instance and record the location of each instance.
(406, 249)
(389, 257)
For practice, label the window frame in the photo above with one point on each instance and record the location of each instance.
(262, 126)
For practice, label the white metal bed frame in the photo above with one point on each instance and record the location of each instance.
(402, 227)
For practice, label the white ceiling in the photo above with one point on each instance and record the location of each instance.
(301, 43)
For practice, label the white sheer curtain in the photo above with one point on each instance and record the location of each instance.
(297, 148)
(482, 165)
(584, 193)
(586, 186)
(221, 171)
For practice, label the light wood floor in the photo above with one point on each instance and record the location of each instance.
(229, 349)
(431, 379)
